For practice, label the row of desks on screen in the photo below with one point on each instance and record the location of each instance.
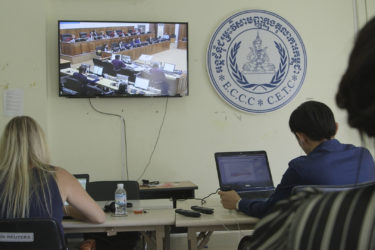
(114, 84)
(160, 217)
(90, 46)
(177, 84)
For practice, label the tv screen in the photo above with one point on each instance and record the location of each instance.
(123, 59)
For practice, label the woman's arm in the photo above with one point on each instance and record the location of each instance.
(82, 207)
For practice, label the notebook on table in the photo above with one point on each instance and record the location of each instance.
(248, 173)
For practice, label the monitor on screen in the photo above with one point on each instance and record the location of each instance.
(169, 67)
(97, 70)
(98, 51)
(141, 83)
(126, 59)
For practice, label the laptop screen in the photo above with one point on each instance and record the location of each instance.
(141, 83)
(243, 170)
(83, 179)
(169, 67)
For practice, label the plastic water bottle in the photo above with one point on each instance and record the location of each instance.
(120, 200)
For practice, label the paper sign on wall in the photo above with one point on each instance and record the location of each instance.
(13, 102)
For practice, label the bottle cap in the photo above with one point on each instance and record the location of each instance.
(120, 185)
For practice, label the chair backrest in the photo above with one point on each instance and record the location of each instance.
(97, 62)
(109, 33)
(108, 69)
(332, 188)
(31, 234)
(105, 190)
(83, 34)
(73, 84)
(66, 37)
(93, 90)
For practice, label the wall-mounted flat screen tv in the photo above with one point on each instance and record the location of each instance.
(123, 59)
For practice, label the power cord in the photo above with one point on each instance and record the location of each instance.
(157, 140)
(203, 200)
(124, 145)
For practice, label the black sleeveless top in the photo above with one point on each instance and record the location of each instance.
(39, 210)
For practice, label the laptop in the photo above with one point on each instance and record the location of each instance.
(169, 67)
(141, 83)
(248, 173)
(83, 179)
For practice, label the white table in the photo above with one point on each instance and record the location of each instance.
(102, 81)
(221, 220)
(157, 219)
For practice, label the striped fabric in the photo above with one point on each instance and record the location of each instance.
(311, 220)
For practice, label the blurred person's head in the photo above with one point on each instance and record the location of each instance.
(356, 93)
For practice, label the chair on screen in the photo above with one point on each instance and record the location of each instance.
(115, 47)
(31, 234)
(73, 84)
(83, 35)
(66, 37)
(97, 62)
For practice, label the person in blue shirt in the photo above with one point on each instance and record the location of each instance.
(80, 75)
(327, 161)
(117, 63)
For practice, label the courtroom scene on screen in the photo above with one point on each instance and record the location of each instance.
(123, 59)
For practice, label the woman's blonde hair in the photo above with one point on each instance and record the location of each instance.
(22, 149)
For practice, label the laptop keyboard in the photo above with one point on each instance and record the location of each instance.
(255, 194)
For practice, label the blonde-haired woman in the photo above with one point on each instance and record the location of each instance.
(30, 186)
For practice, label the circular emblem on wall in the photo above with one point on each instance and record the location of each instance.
(256, 61)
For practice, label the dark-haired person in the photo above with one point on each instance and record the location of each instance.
(117, 63)
(313, 220)
(80, 76)
(327, 161)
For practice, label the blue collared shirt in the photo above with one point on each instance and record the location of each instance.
(330, 163)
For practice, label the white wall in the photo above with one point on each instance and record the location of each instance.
(196, 126)
(23, 56)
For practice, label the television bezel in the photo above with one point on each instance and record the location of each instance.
(128, 95)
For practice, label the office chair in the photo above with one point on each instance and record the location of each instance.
(31, 234)
(97, 62)
(332, 188)
(110, 33)
(105, 190)
(73, 84)
(108, 69)
(99, 50)
(115, 47)
(83, 34)
(119, 32)
(66, 37)
(93, 91)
